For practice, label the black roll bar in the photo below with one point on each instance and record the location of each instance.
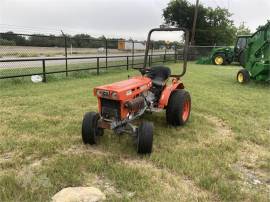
(169, 29)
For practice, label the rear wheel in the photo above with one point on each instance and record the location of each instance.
(178, 109)
(243, 76)
(145, 138)
(90, 130)
(219, 59)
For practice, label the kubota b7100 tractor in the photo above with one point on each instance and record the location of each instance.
(122, 102)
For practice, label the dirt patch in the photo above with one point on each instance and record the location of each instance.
(83, 149)
(29, 177)
(252, 164)
(34, 164)
(107, 187)
(222, 128)
(6, 157)
(223, 131)
(175, 187)
(249, 176)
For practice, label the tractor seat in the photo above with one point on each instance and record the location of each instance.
(159, 74)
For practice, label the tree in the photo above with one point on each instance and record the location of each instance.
(4, 42)
(13, 38)
(214, 26)
(243, 30)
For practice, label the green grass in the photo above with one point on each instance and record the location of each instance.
(218, 156)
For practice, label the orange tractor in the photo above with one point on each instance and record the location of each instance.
(122, 102)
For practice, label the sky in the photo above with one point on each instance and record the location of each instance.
(112, 18)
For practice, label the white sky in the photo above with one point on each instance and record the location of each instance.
(112, 18)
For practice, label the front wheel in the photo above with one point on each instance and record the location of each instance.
(90, 130)
(179, 107)
(145, 138)
(219, 59)
(243, 76)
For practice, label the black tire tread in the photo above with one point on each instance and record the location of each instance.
(175, 107)
(145, 138)
(89, 128)
(245, 74)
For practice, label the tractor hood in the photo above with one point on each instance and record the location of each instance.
(124, 90)
(222, 49)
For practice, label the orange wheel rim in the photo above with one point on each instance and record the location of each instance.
(186, 110)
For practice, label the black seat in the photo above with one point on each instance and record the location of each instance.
(159, 74)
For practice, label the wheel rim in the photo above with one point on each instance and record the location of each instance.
(186, 110)
(240, 78)
(219, 60)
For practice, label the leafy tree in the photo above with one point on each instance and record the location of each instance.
(45, 41)
(4, 42)
(214, 26)
(10, 36)
(243, 30)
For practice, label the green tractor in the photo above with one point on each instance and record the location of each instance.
(227, 55)
(251, 51)
(256, 57)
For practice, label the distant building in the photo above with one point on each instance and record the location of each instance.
(127, 45)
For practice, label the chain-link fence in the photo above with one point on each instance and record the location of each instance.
(25, 55)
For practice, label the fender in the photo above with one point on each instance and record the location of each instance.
(165, 95)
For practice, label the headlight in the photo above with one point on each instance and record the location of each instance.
(99, 92)
(114, 95)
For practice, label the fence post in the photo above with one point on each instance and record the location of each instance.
(127, 62)
(44, 71)
(164, 59)
(149, 60)
(132, 53)
(97, 65)
(106, 53)
(65, 52)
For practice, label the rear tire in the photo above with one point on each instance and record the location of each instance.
(145, 138)
(243, 76)
(90, 131)
(219, 59)
(179, 107)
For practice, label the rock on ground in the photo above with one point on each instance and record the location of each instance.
(79, 194)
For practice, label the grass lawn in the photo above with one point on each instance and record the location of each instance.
(222, 154)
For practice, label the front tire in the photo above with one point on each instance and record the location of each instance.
(179, 107)
(90, 131)
(145, 138)
(219, 59)
(243, 76)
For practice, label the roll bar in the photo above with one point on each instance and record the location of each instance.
(169, 29)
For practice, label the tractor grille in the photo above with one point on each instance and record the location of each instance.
(110, 109)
